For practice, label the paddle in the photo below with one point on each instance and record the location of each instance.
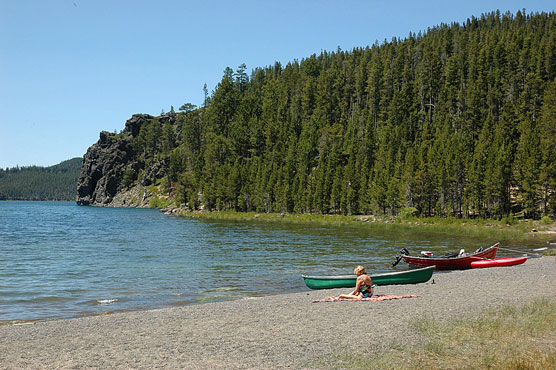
(522, 252)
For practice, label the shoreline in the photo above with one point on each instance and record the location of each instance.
(527, 230)
(524, 230)
(277, 331)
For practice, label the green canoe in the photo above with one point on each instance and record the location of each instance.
(390, 278)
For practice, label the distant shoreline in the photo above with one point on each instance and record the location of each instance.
(527, 230)
(36, 200)
(532, 231)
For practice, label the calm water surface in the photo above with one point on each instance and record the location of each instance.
(59, 260)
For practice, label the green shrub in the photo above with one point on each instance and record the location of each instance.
(546, 220)
(409, 212)
(153, 190)
(129, 178)
(509, 220)
(156, 202)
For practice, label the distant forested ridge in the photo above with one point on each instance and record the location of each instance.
(56, 182)
(459, 120)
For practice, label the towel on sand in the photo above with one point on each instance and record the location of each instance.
(376, 298)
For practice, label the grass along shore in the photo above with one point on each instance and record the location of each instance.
(511, 337)
(503, 230)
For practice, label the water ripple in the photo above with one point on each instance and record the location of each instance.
(61, 260)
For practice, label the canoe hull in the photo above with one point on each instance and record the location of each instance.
(452, 263)
(391, 278)
(499, 262)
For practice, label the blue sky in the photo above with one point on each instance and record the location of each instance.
(70, 69)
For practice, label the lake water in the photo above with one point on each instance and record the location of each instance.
(59, 260)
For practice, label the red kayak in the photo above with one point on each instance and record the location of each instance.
(499, 262)
(455, 261)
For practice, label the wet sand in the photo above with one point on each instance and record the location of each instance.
(281, 331)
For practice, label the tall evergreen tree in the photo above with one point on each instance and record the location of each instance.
(455, 121)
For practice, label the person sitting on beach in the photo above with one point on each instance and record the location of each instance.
(363, 286)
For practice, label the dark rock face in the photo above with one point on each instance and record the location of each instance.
(105, 162)
(157, 169)
(102, 170)
(133, 125)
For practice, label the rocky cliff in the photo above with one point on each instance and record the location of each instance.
(112, 169)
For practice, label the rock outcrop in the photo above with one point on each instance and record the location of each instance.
(107, 162)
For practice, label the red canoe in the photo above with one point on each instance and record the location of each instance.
(451, 262)
(499, 262)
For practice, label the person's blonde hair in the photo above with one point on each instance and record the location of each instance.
(359, 270)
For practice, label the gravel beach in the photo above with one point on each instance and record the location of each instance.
(281, 331)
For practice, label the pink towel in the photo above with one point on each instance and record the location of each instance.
(377, 298)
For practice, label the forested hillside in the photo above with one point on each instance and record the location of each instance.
(459, 120)
(56, 182)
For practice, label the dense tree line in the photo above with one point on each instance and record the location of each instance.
(459, 120)
(56, 182)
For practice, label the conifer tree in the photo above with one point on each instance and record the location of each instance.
(455, 121)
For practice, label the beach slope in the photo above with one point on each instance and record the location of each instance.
(268, 332)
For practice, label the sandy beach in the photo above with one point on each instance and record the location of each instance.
(281, 331)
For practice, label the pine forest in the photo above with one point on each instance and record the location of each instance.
(455, 121)
(40, 183)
